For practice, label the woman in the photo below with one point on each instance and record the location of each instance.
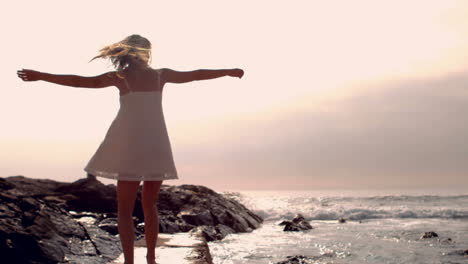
(136, 147)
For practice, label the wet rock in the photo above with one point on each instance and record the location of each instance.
(211, 233)
(223, 231)
(299, 259)
(298, 218)
(208, 232)
(298, 223)
(463, 253)
(430, 234)
(110, 225)
(447, 240)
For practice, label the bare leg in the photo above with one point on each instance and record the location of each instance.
(150, 209)
(126, 195)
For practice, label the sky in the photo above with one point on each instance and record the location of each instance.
(336, 94)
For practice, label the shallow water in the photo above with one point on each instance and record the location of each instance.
(381, 228)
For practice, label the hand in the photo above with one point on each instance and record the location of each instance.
(236, 73)
(29, 75)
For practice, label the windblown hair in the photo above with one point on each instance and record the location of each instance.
(126, 52)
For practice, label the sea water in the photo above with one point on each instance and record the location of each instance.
(382, 227)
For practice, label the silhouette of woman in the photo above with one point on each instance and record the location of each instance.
(136, 147)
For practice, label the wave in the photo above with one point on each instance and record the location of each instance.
(363, 214)
(398, 198)
(356, 208)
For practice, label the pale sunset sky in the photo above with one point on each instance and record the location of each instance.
(336, 94)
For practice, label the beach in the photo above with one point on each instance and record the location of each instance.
(381, 227)
(181, 248)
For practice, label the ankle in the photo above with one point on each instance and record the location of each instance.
(151, 259)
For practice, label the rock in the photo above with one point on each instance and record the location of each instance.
(6, 185)
(197, 217)
(463, 253)
(168, 227)
(141, 228)
(298, 218)
(107, 246)
(56, 222)
(299, 259)
(430, 234)
(297, 224)
(211, 233)
(447, 240)
(110, 225)
(90, 195)
(193, 205)
(223, 231)
(208, 232)
(341, 220)
(33, 187)
(46, 231)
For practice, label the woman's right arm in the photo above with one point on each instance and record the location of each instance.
(172, 76)
(99, 81)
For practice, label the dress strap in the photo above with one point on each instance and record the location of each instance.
(159, 78)
(126, 83)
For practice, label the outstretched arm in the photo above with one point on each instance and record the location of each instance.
(172, 76)
(100, 81)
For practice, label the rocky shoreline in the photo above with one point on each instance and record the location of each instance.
(45, 221)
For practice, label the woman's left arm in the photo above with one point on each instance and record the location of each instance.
(172, 76)
(99, 81)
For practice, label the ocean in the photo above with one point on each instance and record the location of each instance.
(382, 227)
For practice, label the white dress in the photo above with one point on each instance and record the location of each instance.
(136, 146)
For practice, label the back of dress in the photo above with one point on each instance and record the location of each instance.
(136, 146)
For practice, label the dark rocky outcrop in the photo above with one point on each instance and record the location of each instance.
(56, 222)
(187, 206)
(48, 233)
(301, 259)
(299, 223)
(430, 234)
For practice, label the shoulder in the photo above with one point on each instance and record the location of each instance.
(164, 73)
(115, 78)
(115, 75)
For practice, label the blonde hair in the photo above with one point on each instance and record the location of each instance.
(127, 51)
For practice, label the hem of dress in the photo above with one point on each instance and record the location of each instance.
(133, 176)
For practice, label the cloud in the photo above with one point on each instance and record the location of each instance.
(391, 134)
